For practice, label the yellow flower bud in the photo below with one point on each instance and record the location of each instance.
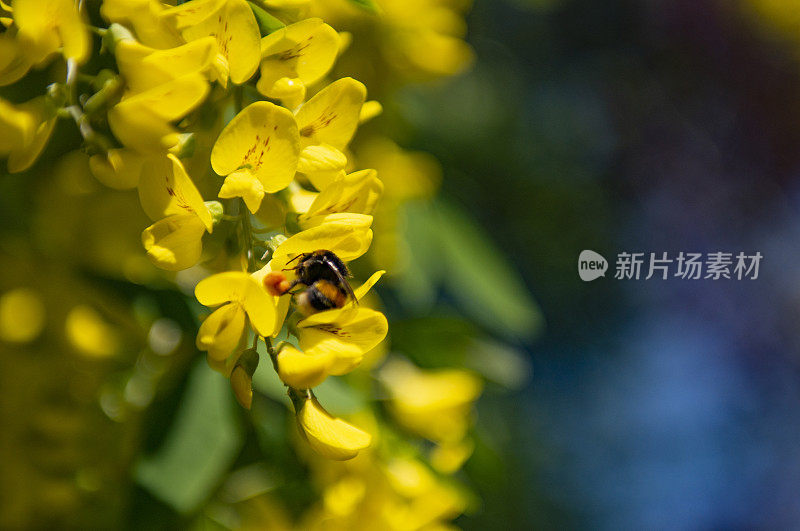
(242, 384)
(329, 436)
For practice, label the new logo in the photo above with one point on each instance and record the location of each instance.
(591, 265)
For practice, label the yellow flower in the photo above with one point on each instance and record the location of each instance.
(435, 404)
(240, 296)
(329, 436)
(258, 152)
(175, 242)
(327, 123)
(356, 193)
(162, 87)
(294, 57)
(234, 26)
(302, 371)
(168, 195)
(331, 116)
(25, 130)
(47, 25)
(344, 334)
(346, 235)
(332, 351)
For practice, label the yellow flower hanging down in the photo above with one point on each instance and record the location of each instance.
(168, 195)
(45, 26)
(233, 25)
(327, 123)
(295, 57)
(162, 87)
(240, 296)
(329, 436)
(257, 152)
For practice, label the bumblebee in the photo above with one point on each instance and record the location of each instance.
(325, 277)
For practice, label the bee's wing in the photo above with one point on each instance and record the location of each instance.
(342, 279)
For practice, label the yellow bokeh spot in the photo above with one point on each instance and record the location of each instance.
(22, 315)
(89, 333)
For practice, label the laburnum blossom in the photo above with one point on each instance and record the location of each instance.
(327, 123)
(295, 57)
(329, 436)
(24, 131)
(232, 24)
(257, 152)
(168, 195)
(162, 86)
(240, 298)
(357, 193)
(436, 404)
(333, 342)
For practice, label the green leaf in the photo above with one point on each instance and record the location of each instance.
(366, 5)
(266, 22)
(202, 444)
(480, 278)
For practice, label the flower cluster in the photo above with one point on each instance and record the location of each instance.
(202, 72)
(229, 120)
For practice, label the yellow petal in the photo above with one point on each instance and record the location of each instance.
(243, 184)
(305, 50)
(144, 16)
(321, 157)
(369, 110)
(290, 91)
(137, 127)
(356, 193)
(264, 139)
(346, 235)
(144, 68)
(300, 370)
(119, 168)
(346, 334)
(281, 304)
(46, 25)
(165, 188)
(17, 126)
(237, 35)
(22, 158)
(175, 242)
(328, 436)
(366, 286)
(172, 100)
(13, 63)
(221, 332)
(241, 287)
(331, 116)
(192, 13)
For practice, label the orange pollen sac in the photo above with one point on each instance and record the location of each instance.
(276, 283)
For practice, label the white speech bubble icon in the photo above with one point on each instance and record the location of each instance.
(591, 265)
